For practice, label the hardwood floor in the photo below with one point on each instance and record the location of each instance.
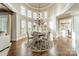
(19, 48)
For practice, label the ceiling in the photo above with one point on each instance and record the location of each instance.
(3, 8)
(37, 5)
(74, 10)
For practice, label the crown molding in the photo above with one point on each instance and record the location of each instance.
(28, 5)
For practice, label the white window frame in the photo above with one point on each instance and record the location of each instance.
(29, 13)
(23, 10)
(45, 14)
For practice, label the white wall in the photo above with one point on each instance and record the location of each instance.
(76, 30)
(16, 21)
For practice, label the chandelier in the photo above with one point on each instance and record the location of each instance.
(39, 21)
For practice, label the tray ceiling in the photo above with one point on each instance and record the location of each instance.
(42, 5)
(36, 5)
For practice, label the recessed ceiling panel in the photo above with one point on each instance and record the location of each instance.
(36, 5)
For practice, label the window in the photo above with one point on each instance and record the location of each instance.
(23, 27)
(41, 15)
(34, 15)
(65, 24)
(45, 14)
(4, 23)
(29, 28)
(29, 13)
(23, 10)
(34, 27)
